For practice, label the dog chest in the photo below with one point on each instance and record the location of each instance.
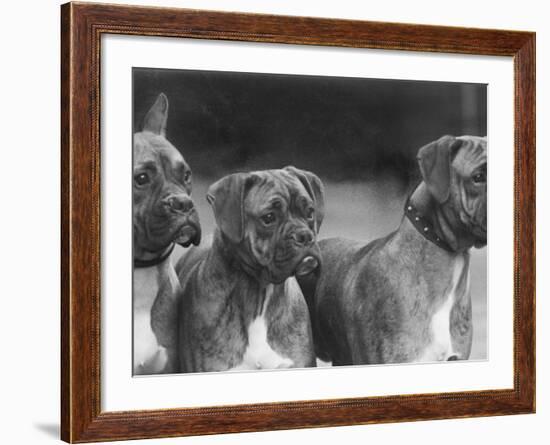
(440, 346)
(259, 354)
(149, 356)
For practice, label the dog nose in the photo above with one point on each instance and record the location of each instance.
(303, 237)
(179, 203)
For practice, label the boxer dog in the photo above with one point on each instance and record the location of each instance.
(163, 215)
(405, 297)
(241, 306)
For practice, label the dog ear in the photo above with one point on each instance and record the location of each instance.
(226, 197)
(434, 160)
(316, 190)
(156, 117)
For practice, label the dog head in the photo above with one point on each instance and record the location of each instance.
(454, 170)
(163, 211)
(270, 220)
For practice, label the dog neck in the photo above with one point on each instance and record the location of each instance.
(437, 222)
(235, 257)
(239, 285)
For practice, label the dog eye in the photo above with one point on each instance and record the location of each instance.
(187, 176)
(479, 178)
(268, 218)
(310, 212)
(142, 179)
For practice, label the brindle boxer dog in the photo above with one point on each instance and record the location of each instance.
(405, 297)
(163, 214)
(241, 306)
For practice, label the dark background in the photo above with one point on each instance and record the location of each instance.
(339, 127)
(360, 136)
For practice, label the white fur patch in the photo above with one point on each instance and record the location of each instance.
(292, 288)
(441, 347)
(149, 356)
(259, 354)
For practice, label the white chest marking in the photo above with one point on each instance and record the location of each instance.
(259, 354)
(441, 347)
(149, 356)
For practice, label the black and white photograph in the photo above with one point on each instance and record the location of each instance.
(296, 221)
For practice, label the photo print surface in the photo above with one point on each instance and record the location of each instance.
(285, 221)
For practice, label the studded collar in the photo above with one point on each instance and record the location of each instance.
(424, 226)
(139, 264)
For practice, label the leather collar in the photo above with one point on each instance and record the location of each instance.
(153, 262)
(424, 226)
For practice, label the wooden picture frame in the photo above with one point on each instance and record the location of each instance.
(82, 26)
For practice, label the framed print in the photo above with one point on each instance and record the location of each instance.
(283, 222)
